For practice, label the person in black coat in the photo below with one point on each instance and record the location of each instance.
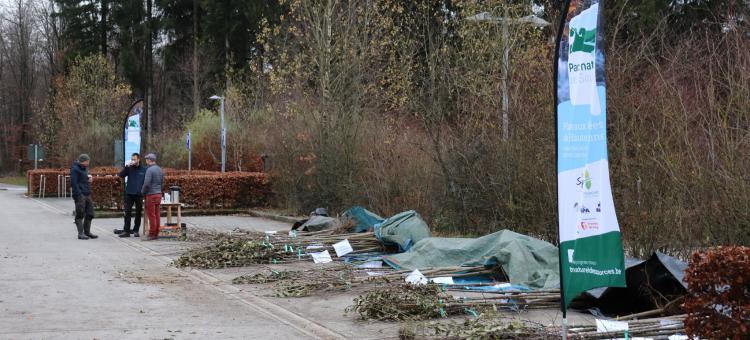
(80, 182)
(134, 171)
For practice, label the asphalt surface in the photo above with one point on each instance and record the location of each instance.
(54, 286)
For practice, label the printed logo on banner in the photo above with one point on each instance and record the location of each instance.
(585, 180)
(589, 225)
(582, 60)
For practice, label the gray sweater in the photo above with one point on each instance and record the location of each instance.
(154, 180)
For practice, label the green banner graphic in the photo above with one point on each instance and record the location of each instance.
(591, 253)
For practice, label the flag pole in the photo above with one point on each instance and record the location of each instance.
(190, 150)
(560, 28)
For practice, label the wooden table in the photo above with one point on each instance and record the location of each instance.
(166, 228)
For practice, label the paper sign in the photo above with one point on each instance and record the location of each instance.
(322, 257)
(371, 264)
(611, 326)
(678, 337)
(374, 273)
(313, 247)
(445, 280)
(270, 232)
(416, 278)
(342, 248)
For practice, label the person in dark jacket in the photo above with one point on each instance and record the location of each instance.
(134, 172)
(80, 182)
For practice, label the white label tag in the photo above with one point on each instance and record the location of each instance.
(342, 248)
(322, 257)
(371, 264)
(445, 280)
(611, 326)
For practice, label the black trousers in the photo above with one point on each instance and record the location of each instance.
(84, 208)
(129, 201)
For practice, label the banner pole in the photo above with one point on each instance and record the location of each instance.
(560, 29)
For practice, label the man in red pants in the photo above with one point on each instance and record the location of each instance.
(152, 187)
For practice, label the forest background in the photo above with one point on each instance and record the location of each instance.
(396, 104)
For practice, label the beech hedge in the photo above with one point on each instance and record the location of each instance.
(199, 189)
(718, 301)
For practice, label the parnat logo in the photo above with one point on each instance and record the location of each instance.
(584, 182)
(583, 40)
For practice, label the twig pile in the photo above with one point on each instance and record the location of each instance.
(303, 283)
(419, 302)
(653, 328)
(324, 240)
(243, 248)
(402, 302)
(268, 277)
(487, 326)
(230, 252)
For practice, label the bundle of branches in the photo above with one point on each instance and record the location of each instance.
(337, 277)
(403, 302)
(652, 328)
(268, 277)
(418, 302)
(325, 239)
(454, 272)
(231, 252)
(486, 326)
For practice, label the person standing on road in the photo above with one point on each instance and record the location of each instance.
(152, 187)
(135, 173)
(80, 182)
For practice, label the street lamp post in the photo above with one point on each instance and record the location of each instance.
(505, 21)
(223, 133)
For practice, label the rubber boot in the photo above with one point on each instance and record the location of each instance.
(81, 234)
(87, 229)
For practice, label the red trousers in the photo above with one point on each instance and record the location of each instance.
(153, 203)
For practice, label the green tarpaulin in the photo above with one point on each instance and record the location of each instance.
(403, 229)
(364, 219)
(526, 260)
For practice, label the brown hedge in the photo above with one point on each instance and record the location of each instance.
(199, 189)
(718, 301)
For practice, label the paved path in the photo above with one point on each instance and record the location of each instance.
(54, 286)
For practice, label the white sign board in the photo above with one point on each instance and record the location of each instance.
(322, 257)
(342, 248)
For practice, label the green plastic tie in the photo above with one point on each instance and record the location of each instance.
(299, 253)
(286, 248)
(627, 335)
(442, 312)
(471, 311)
